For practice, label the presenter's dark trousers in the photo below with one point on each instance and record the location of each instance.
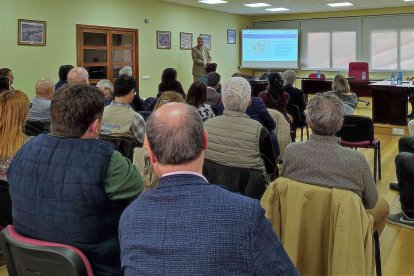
(404, 163)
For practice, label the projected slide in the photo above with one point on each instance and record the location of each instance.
(270, 49)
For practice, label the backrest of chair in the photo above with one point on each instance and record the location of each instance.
(245, 181)
(356, 128)
(25, 256)
(324, 231)
(355, 70)
(34, 128)
(315, 76)
(5, 205)
(282, 130)
(123, 144)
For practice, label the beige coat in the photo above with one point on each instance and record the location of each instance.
(198, 62)
(324, 231)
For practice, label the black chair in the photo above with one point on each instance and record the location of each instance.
(358, 132)
(145, 114)
(299, 120)
(248, 182)
(34, 128)
(5, 205)
(123, 144)
(149, 103)
(25, 256)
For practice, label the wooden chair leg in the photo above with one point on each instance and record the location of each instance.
(375, 164)
(379, 160)
(301, 133)
(377, 253)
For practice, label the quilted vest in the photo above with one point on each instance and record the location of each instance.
(58, 194)
(233, 140)
(117, 120)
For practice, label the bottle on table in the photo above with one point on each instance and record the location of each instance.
(364, 76)
(337, 72)
(319, 74)
(399, 78)
(392, 78)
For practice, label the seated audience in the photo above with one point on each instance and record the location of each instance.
(196, 96)
(194, 227)
(119, 118)
(63, 75)
(237, 140)
(274, 97)
(126, 70)
(341, 89)
(107, 88)
(6, 72)
(14, 107)
(212, 67)
(322, 161)
(40, 105)
(78, 75)
(71, 187)
(213, 82)
(296, 96)
(4, 84)
(168, 97)
(170, 83)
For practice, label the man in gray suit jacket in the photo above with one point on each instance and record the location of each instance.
(186, 226)
(201, 58)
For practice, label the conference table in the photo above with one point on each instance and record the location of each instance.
(312, 86)
(389, 102)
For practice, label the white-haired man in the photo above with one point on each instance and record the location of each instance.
(236, 140)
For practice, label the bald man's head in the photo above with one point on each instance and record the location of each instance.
(45, 88)
(175, 134)
(78, 75)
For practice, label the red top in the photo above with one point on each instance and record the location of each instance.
(270, 103)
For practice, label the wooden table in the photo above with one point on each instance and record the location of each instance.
(359, 87)
(389, 103)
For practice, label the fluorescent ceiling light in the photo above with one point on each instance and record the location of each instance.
(342, 4)
(212, 1)
(257, 5)
(279, 9)
(408, 0)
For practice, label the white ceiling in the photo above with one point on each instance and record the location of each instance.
(295, 6)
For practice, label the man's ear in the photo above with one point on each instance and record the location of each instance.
(205, 140)
(95, 126)
(152, 156)
(250, 102)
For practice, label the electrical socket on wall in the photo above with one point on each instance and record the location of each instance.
(146, 77)
(397, 131)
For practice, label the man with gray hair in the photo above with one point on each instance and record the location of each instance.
(322, 161)
(107, 88)
(127, 70)
(192, 226)
(236, 140)
(201, 58)
(78, 75)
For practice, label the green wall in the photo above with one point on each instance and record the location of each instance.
(30, 63)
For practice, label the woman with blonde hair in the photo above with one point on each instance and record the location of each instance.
(168, 97)
(341, 89)
(14, 109)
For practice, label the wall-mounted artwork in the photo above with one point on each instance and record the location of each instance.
(32, 32)
(186, 41)
(163, 40)
(207, 40)
(231, 36)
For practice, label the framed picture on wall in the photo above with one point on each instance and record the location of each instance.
(163, 40)
(186, 41)
(231, 36)
(207, 40)
(31, 32)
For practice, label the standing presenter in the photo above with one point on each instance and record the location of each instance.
(201, 58)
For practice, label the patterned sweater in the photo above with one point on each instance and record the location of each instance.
(322, 161)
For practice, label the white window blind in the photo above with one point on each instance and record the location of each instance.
(389, 42)
(330, 43)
